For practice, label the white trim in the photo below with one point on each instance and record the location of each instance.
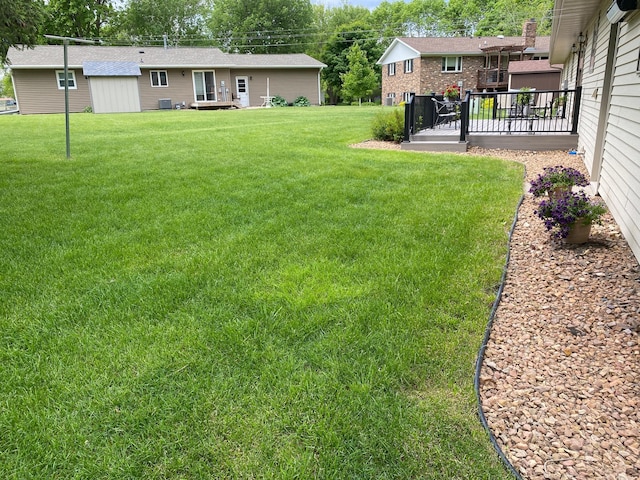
(71, 79)
(457, 67)
(159, 73)
(408, 65)
(195, 92)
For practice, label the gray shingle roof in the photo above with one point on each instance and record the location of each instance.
(467, 45)
(51, 56)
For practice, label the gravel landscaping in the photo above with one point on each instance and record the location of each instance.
(560, 382)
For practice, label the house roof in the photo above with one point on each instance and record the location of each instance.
(51, 56)
(468, 45)
(110, 69)
(533, 66)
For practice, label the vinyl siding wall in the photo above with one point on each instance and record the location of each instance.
(620, 175)
(179, 88)
(289, 84)
(592, 87)
(37, 92)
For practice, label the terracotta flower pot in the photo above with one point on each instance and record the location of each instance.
(558, 192)
(578, 233)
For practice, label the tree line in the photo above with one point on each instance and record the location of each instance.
(346, 38)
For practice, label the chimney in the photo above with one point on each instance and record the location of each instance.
(529, 33)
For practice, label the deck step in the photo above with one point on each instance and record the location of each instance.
(421, 137)
(436, 146)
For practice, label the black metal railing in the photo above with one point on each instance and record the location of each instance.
(534, 111)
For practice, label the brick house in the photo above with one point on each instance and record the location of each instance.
(429, 64)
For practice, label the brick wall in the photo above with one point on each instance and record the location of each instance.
(427, 77)
(401, 82)
(434, 80)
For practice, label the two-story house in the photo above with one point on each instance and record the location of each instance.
(430, 64)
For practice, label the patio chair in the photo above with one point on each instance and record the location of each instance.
(445, 113)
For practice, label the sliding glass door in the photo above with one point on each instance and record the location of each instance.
(204, 83)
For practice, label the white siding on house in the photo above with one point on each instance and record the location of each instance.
(592, 88)
(620, 175)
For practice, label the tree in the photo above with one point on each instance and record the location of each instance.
(390, 19)
(360, 80)
(262, 26)
(77, 18)
(176, 18)
(6, 86)
(327, 20)
(506, 17)
(19, 22)
(335, 52)
(416, 18)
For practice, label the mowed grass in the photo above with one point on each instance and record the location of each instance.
(239, 294)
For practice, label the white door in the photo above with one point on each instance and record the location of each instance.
(242, 90)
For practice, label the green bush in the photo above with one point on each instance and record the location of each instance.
(301, 101)
(388, 125)
(278, 101)
(487, 103)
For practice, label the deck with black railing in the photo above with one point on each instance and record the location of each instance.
(532, 120)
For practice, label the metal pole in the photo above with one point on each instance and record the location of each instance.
(65, 44)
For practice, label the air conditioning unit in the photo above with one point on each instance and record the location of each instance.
(619, 9)
(165, 103)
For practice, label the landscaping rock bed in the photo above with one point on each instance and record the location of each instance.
(560, 382)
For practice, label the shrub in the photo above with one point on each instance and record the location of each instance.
(301, 101)
(388, 126)
(487, 104)
(278, 101)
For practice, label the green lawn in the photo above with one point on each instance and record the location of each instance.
(239, 294)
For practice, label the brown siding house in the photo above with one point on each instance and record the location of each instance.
(125, 79)
(425, 65)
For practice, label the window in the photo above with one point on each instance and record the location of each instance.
(391, 69)
(406, 96)
(205, 86)
(159, 78)
(408, 66)
(71, 79)
(451, 64)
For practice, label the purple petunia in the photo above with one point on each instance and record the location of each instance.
(557, 176)
(561, 213)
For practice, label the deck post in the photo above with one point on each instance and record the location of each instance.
(576, 110)
(464, 116)
(408, 118)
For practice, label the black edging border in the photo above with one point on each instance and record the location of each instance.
(485, 340)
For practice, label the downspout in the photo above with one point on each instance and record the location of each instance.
(605, 106)
(319, 87)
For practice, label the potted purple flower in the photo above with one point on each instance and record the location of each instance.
(555, 181)
(570, 216)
